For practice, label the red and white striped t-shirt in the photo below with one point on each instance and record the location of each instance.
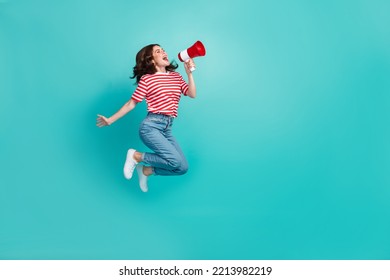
(162, 92)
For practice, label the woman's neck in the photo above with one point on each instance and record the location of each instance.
(161, 69)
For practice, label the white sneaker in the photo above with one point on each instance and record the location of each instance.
(142, 178)
(130, 164)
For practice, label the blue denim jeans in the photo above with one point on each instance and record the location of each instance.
(168, 158)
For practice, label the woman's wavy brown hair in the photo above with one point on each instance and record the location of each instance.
(144, 64)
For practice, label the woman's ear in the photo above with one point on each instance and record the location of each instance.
(150, 60)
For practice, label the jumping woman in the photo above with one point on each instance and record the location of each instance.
(161, 87)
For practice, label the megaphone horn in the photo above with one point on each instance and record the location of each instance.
(195, 50)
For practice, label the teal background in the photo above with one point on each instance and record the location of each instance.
(288, 140)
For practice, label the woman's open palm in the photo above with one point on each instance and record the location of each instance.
(102, 121)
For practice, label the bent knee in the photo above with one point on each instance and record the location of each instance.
(174, 163)
(182, 169)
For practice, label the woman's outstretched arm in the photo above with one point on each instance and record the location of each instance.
(103, 121)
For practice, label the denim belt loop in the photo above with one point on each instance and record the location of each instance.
(169, 121)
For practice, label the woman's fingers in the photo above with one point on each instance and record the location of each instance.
(189, 64)
(100, 124)
(101, 121)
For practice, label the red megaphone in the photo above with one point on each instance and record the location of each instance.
(195, 50)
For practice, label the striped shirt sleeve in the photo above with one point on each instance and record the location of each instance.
(183, 86)
(140, 92)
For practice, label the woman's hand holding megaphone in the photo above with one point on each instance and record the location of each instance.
(189, 66)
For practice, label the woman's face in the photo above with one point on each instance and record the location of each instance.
(160, 57)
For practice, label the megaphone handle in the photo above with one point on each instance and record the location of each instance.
(192, 69)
